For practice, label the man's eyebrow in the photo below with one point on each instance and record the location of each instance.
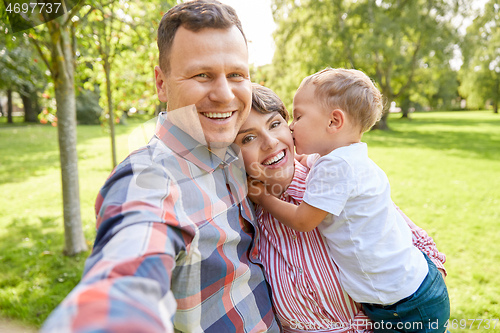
(273, 114)
(208, 68)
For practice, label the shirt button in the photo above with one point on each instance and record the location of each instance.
(294, 237)
(301, 270)
(395, 314)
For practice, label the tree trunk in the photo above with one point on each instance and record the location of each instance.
(63, 76)
(382, 123)
(29, 112)
(107, 69)
(36, 105)
(1, 109)
(405, 112)
(9, 106)
(497, 94)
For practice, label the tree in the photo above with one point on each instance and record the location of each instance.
(389, 40)
(20, 71)
(480, 74)
(56, 44)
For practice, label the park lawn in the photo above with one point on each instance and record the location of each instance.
(444, 169)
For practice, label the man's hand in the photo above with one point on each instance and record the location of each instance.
(256, 190)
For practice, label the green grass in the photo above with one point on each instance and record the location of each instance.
(444, 169)
(34, 275)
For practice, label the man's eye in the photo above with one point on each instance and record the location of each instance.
(235, 75)
(202, 75)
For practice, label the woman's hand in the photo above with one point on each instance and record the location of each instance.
(256, 190)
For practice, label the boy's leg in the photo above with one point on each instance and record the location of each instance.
(427, 310)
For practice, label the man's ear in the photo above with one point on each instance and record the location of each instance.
(336, 120)
(161, 85)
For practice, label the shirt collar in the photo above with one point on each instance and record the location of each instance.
(190, 149)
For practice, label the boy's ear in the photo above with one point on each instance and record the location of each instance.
(336, 120)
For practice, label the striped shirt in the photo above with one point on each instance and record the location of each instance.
(174, 248)
(306, 290)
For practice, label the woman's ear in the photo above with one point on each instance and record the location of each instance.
(336, 120)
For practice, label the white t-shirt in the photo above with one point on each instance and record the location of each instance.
(367, 238)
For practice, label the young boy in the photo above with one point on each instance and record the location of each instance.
(348, 198)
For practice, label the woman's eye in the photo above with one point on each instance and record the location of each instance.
(247, 139)
(275, 124)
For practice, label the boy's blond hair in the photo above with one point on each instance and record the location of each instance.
(350, 90)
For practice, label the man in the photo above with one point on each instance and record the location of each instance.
(174, 247)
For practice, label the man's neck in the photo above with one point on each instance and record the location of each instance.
(219, 152)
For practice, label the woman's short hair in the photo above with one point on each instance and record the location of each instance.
(194, 16)
(349, 90)
(264, 100)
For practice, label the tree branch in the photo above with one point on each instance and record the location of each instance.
(73, 12)
(413, 65)
(45, 60)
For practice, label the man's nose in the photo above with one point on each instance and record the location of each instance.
(221, 91)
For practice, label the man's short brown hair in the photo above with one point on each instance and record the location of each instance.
(264, 101)
(349, 90)
(194, 16)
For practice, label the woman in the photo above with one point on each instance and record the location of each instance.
(304, 280)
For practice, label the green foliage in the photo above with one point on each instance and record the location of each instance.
(20, 68)
(128, 40)
(392, 41)
(88, 110)
(480, 75)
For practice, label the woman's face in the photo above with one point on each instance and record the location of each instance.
(267, 148)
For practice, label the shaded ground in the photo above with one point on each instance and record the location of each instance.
(9, 326)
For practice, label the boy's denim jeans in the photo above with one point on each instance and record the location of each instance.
(427, 310)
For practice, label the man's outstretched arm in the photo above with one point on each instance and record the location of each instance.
(127, 289)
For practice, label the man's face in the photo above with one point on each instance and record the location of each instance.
(209, 69)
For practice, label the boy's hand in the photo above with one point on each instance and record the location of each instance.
(302, 158)
(256, 190)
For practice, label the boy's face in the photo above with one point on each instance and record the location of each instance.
(309, 123)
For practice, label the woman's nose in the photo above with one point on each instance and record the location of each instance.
(270, 142)
(292, 125)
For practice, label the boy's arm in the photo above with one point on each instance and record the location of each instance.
(303, 217)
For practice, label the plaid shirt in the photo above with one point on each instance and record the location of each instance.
(174, 248)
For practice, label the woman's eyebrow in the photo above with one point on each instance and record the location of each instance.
(273, 114)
